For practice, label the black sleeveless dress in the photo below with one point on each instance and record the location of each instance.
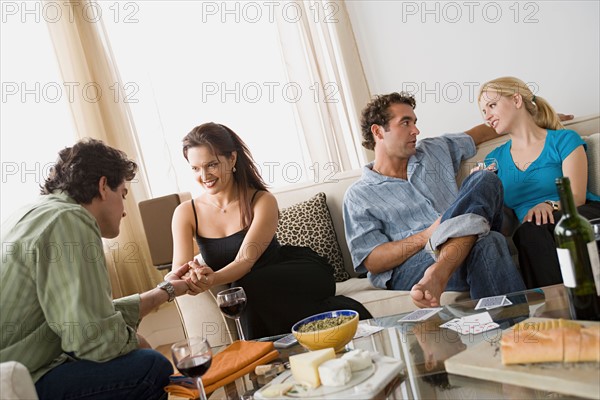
(285, 285)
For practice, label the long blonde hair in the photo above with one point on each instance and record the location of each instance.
(542, 112)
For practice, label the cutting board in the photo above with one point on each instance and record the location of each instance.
(483, 361)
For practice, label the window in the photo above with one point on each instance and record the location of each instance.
(187, 63)
(36, 121)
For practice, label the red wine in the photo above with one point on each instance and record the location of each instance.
(233, 308)
(194, 366)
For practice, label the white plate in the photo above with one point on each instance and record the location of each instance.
(299, 390)
(364, 383)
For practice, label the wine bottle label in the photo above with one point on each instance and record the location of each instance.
(595, 261)
(567, 269)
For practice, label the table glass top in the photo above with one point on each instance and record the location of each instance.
(424, 347)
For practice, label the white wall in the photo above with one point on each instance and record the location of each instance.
(446, 49)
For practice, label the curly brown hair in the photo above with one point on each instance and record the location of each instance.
(78, 170)
(378, 112)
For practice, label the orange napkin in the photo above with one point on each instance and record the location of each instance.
(236, 360)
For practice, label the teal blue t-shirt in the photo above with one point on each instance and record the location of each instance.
(525, 189)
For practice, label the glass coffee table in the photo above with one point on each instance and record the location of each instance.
(424, 347)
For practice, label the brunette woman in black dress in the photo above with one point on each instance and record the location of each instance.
(234, 223)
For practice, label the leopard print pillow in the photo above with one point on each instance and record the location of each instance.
(309, 224)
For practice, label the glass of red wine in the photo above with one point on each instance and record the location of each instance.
(232, 303)
(193, 357)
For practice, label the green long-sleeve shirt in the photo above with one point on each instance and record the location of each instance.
(55, 294)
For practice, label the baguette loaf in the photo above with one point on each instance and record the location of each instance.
(550, 341)
(590, 344)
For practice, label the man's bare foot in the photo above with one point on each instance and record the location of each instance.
(428, 291)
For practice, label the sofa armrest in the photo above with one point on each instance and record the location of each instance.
(16, 383)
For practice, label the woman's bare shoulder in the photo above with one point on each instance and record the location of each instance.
(264, 197)
(184, 209)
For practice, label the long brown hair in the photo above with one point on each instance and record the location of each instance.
(223, 141)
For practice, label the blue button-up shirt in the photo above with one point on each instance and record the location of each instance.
(380, 209)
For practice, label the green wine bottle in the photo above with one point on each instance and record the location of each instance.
(578, 257)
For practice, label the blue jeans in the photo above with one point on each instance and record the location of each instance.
(141, 374)
(489, 269)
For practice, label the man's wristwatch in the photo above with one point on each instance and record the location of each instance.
(554, 204)
(169, 288)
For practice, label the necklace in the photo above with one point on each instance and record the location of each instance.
(223, 209)
(376, 171)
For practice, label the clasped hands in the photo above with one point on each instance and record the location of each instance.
(191, 278)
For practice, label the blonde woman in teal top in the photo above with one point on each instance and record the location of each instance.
(539, 151)
(525, 189)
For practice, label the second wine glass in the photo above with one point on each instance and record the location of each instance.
(232, 303)
(193, 357)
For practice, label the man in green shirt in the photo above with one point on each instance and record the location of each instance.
(58, 317)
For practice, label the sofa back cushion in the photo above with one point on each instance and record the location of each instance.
(334, 188)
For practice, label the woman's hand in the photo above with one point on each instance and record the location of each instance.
(180, 277)
(478, 167)
(490, 164)
(202, 276)
(541, 213)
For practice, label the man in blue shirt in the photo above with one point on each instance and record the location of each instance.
(410, 227)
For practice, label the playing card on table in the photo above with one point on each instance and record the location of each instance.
(366, 330)
(473, 324)
(452, 324)
(493, 302)
(420, 315)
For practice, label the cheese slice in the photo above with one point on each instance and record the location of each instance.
(276, 390)
(335, 372)
(358, 359)
(305, 366)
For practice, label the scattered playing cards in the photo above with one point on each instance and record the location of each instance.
(493, 302)
(366, 330)
(420, 315)
(473, 324)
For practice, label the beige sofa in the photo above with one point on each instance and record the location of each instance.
(201, 316)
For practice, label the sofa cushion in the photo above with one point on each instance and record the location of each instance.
(309, 224)
(593, 154)
(382, 302)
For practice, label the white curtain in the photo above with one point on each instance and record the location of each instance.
(320, 52)
(86, 64)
